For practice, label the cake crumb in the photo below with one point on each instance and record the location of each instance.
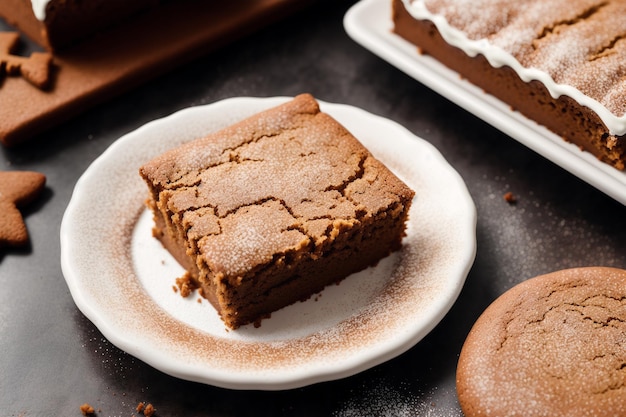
(510, 198)
(87, 410)
(186, 285)
(149, 410)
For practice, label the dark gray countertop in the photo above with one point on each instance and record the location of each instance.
(53, 359)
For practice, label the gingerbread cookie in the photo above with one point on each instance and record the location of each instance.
(554, 345)
(17, 189)
(35, 69)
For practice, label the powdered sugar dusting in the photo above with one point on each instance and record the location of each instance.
(349, 330)
(573, 47)
(522, 220)
(389, 399)
(247, 241)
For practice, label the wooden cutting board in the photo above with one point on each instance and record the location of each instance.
(126, 56)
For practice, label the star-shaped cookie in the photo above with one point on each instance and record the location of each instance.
(17, 189)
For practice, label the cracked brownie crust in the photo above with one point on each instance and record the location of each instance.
(274, 208)
(554, 345)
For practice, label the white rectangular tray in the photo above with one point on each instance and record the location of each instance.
(369, 23)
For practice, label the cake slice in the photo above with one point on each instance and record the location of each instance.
(271, 210)
(560, 63)
(57, 24)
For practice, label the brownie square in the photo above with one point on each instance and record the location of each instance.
(274, 208)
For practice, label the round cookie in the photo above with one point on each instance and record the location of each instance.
(554, 345)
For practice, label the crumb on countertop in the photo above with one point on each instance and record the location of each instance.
(87, 410)
(510, 198)
(147, 409)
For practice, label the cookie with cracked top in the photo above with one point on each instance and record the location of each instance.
(554, 345)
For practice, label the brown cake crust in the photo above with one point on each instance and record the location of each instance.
(274, 208)
(564, 116)
(69, 21)
(122, 56)
(550, 346)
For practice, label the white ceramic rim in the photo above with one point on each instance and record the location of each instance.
(84, 270)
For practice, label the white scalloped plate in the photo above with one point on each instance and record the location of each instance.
(369, 23)
(121, 278)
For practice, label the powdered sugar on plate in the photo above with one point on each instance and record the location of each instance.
(121, 278)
